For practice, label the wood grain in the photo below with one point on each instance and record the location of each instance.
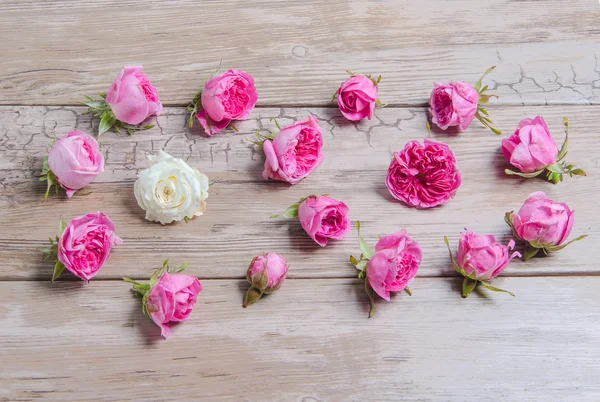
(310, 341)
(55, 52)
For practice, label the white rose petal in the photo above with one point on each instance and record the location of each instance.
(170, 190)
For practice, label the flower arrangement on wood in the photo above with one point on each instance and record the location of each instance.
(73, 162)
(390, 267)
(480, 258)
(224, 98)
(130, 100)
(357, 96)
(532, 150)
(169, 297)
(82, 246)
(543, 224)
(458, 103)
(170, 190)
(321, 217)
(266, 274)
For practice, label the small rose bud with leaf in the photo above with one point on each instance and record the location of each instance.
(357, 96)
(480, 258)
(169, 297)
(532, 150)
(266, 274)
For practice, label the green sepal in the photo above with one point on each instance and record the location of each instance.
(468, 286)
(524, 175)
(478, 83)
(59, 268)
(454, 264)
(560, 247)
(365, 248)
(62, 226)
(260, 139)
(290, 212)
(530, 252)
(408, 291)
(48, 176)
(260, 280)
(362, 265)
(252, 296)
(371, 295)
(495, 289)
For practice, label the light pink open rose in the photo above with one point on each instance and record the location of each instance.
(482, 257)
(132, 98)
(531, 147)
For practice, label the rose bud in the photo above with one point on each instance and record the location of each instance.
(170, 190)
(83, 245)
(294, 152)
(321, 217)
(357, 97)
(224, 98)
(266, 274)
(390, 267)
(457, 103)
(73, 162)
(423, 176)
(543, 224)
(532, 150)
(170, 296)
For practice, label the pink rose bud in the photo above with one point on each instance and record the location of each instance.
(294, 152)
(543, 224)
(132, 98)
(423, 176)
(84, 245)
(266, 274)
(74, 162)
(170, 297)
(357, 97)
(224, 98)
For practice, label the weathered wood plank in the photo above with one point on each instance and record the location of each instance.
(309, 341)
(237, 225)
(57, 52)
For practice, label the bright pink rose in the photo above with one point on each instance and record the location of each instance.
(266, 274)
(531, 147)
(132, 98)
(172, 299)
(423, 176)
(357, 97)
(295, 152)
(75, 160)
(543, 222)
(226, 97)
(86, 243)
(394, 265)
(482, 256)
(324, 218)
(454, 104)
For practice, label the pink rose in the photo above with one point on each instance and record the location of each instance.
(454, 104)
(423, 176)
(357, 97)
(132, 98)
(226, 97)
(75, 160)
(295, 152)
(266, 274)
(481, 257)
(172, 299)
(394, 265)
(324, 218)
(85, 244)
(531, 147)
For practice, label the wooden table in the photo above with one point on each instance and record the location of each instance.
(311, 341)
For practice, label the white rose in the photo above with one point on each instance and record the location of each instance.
(170, 190)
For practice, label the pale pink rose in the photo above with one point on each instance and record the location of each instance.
(394, 265)
(543, 222)
(531, 147)
(324, 218)
(481, 257)
(454, 104)
(172, 299)
(356, 98)
(132, 98)
(266, 274)
(75, 160)
(295, 152)
(226, 97)
(85, 244)
(423, 176)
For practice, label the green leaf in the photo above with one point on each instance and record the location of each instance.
(181, 268)
(577, 172)
(478, 83)
(408, 291)
(555, 168)
(291, 212)
(365, 248)
(353, 260)
(454, 264)
(107, 121)
(468, 286)
(558, 248)
(563, 149)
(362, 265)
(59, 268)
(524, 175)
(369, 291)
(530, 252)
(495, 289)
(62, 226)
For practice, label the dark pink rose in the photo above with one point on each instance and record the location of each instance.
(531, 147)
(85, 244)
(324, 218)
(266, 274)
(423, 176)
(394, 265)
(481, 257)
(132, 98)
(295, 152)
(454, 104)
(357, 97)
